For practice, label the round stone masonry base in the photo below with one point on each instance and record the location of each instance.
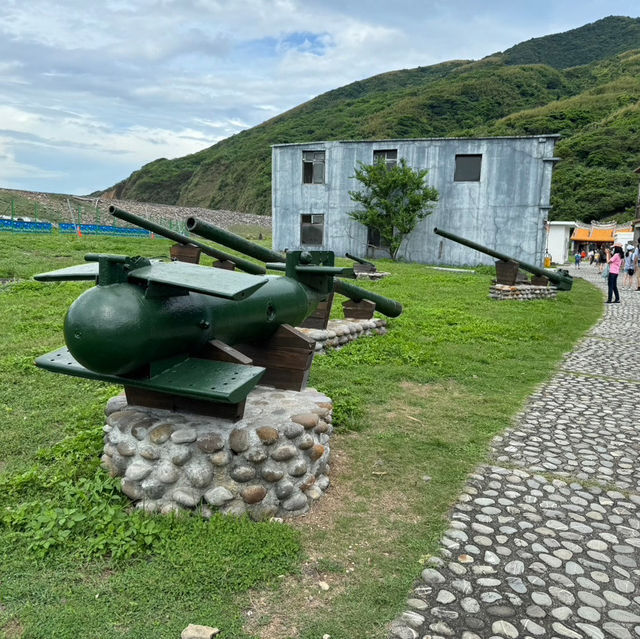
(522, 292)
(340, 332)
(272, 462)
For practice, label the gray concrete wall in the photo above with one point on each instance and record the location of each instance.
(504, 210)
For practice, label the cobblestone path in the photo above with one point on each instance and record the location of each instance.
(545, 541)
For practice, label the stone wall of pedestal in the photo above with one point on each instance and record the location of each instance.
(522, 292)
(341, 332)
(272, 462)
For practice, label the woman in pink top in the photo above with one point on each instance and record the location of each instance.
(614, 261)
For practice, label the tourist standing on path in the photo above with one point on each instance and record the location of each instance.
(614, 261)
(636, 265)
(629, 269)
(578, 258)
(602, 260)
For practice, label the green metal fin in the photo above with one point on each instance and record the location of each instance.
(200, 279)
(70, 274)
(191, 377)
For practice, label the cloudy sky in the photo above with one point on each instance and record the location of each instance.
(90, 91)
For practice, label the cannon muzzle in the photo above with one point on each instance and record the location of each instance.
(158, 229)
(233, 241)
(562, 280)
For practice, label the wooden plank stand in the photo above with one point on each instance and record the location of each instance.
(185, 253)
(320, 317)
(287, 355)
(358, 310)
(179, 403)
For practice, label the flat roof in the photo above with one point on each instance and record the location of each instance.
(386, 140)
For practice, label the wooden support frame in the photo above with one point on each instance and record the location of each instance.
(287, 355)
(167, 401)
(320, 317)
(185, 253)
(358, 310)
(227, 265)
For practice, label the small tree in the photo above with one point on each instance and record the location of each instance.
(394, 200)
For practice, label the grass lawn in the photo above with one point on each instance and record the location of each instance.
(416, 410)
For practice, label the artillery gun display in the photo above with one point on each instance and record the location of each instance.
(507, 267)
(190, 337)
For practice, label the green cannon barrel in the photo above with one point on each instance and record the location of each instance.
(242, 264)
(383, 304)
(386, 306)
(562, 280)
(360, 260)
(233, 241)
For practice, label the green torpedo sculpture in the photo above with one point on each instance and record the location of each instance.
(149, 324)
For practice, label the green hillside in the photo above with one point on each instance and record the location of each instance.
(590, 43)
(532, 88)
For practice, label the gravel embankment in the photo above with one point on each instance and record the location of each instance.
(61, 206)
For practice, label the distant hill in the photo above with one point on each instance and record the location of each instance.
(590, 43)
(583, 84)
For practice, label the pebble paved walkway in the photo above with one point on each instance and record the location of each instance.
(545, 542)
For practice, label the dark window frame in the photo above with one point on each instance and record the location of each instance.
(313, 167)
(312, 229)
(388, 156)
(468, 167)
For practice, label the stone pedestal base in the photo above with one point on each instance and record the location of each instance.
(522, 292)
(376, 275)
(341, 332)
(273, 462)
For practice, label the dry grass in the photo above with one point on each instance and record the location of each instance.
(13, 629)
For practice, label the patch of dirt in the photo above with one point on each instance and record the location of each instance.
(13, 629)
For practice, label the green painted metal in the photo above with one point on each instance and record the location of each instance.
(113, 269)
(191, 377)
(221, 283)
(232, 241)
(560, 278)
(139, 315)
(274, 261)
(242, 264)
(146, 321)
(384, 305)
(70, 274)
(360, 260)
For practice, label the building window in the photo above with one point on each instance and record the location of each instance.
(388, 156)
(375, 240)
(313, 167)
(468, 168)
(312, 229)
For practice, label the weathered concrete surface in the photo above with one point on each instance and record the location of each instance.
(504, 210)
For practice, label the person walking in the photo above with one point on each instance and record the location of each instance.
(578, 258)
(614, 260)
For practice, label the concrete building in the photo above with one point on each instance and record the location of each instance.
(494, 191)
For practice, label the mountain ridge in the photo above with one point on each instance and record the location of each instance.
(519, 91)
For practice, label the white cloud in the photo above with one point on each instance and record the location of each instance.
(114, 84)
